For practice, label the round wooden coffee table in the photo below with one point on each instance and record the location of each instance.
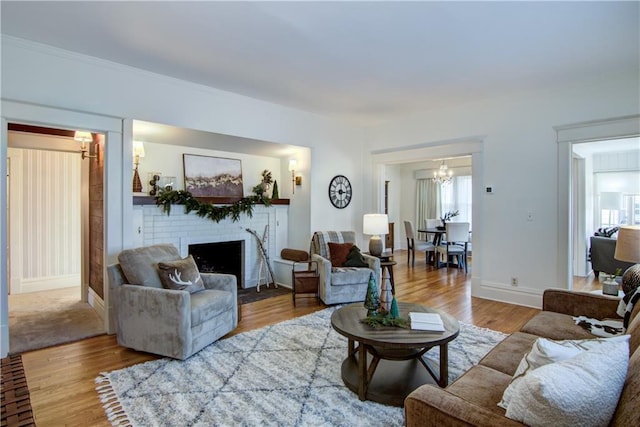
(393, 354)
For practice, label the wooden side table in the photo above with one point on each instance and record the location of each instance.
(386, 264)
(305, 281)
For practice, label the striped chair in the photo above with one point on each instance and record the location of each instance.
(339, 284)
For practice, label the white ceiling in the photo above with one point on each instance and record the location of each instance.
(362, 61)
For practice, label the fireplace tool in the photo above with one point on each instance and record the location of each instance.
(264, 257)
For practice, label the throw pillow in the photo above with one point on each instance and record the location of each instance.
(338, 253)
(181, 275)
(580, 391)
(545, 351)
(355, 258)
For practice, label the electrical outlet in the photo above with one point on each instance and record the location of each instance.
(514, 281)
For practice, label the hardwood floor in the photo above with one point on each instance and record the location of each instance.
(61, 379)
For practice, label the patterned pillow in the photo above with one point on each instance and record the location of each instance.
(338, 253)
(182, 275)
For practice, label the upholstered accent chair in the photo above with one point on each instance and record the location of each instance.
(339, 283)
(168, 322)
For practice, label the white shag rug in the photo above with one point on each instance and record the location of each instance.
(287, 374)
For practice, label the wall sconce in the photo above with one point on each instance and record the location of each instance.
(83, 137)
(138, 152)
(295, 180)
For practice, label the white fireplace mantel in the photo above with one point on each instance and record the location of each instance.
(153, 226)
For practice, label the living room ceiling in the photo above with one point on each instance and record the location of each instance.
(359, 61)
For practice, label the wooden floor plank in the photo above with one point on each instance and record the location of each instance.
(61, 379)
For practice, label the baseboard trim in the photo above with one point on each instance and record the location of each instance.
(500, 292)
(46, 283)
(96, 302)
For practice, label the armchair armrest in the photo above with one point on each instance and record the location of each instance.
(324, 267)
(223, 282)
(580, 303)
(147, 317)
(432, 406)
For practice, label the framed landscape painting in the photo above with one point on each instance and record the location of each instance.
(206, 176)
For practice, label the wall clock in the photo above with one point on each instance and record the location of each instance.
(340, 191)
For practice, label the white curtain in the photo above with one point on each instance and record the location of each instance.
(428, 201)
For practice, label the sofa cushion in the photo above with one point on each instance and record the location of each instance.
(481, 386)
(545, 351)
(181, 275)
(506, 356)
(627, 413)
(338, 253)
(140, 265)
(555, 326)
(580, 391)
(341, 276)
(207, 304)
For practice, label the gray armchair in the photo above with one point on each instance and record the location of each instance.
(168, 322)
(341, 284)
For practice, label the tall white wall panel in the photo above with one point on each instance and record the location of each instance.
(44, 219)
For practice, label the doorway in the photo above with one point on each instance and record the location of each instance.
(50, 237)
(605, 195)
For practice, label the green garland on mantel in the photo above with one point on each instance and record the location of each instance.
(217, 213)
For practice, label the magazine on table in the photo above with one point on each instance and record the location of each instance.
(426, 322)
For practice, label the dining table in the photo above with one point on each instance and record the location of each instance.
(437, 234)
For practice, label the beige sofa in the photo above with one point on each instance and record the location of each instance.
(472, 399)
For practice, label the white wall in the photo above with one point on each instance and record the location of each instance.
(44, 220)
(167, 159)
(519, 150)
(44, 75)
(520, 161)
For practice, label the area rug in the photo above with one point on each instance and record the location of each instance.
(287, 374)
(47, 318)
(249, 295)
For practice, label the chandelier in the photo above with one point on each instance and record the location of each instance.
(443, 175)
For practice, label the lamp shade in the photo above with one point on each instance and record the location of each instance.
(83, 136)
(138, 148)
(375, 224)
(292, 164)
(628, 244)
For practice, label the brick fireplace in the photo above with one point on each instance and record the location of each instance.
(183, 230)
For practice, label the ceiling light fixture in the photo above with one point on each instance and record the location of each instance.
(443, 175)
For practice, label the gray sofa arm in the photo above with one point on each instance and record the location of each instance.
(154, 320)
(429, 405)
(324, 269)
(580, 304)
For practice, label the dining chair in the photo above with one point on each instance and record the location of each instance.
(432, 224)
(457, 239)
(414, 244)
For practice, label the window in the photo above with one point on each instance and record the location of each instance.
(457, 196)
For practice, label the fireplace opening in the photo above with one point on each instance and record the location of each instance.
(220, 257)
